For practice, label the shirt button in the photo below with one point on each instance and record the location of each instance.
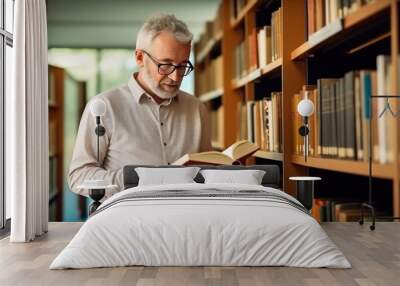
(162, 123)
(165, 144)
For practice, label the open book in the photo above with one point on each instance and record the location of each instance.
(234, 153)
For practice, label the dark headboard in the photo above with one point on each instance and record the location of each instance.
(270, 179)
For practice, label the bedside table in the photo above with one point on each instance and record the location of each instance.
(305, 190)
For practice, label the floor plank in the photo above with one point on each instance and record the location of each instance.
(374, 255)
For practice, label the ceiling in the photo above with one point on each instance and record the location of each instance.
(114, 23)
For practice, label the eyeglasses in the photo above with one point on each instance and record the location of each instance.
(167, 69)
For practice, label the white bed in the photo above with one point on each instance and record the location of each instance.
(249, 225)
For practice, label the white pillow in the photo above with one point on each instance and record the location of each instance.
(248, 177)
(162, 176)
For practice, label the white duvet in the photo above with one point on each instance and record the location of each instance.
(200, 231)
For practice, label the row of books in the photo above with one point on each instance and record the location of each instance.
(241, 59)
(323, 12)
(342, 210)
(276, 34)
(211, 77)
(217, 126)
(261, 122)
(261, 47)
(212, 30)
(339, 126)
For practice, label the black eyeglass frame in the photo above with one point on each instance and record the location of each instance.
(188, 68)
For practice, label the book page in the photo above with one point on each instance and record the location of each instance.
(240, 149)
(211, 157)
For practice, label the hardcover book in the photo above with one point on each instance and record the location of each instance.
(232, 155)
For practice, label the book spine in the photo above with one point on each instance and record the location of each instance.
(261, 42)
(273, 36)
(271, 126)
(266, 123)
(256, 122)
(328, 115)
(311, 16)
(342, 116)
(325, 119)
(250, 127)
(275, 121)
(390, 116)
(359, 141)
(350, 116)
(338, 118)
(366, 89)
(262, 124)
(268, 48)
(327, 11)
(381, 63)
(374, 117)
(319, 118)
(331, 91)
(334, 131)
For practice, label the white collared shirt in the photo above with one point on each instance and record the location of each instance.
(138, 131)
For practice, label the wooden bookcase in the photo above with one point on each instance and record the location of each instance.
(297, 67)
(67, 99)
(56, 142)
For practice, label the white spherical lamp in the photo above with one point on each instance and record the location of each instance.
(98, 107)
(305, 108)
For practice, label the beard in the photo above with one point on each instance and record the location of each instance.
(157, 90)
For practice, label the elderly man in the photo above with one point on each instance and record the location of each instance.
(149, 120)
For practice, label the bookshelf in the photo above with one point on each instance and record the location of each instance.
(56, 142)
(362, 16)
(67, 99)
(351, 41)
(241, 89)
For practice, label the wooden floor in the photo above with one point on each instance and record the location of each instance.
(374, 255)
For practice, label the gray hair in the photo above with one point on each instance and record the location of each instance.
(162, 23)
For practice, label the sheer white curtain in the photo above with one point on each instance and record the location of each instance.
(27, 124)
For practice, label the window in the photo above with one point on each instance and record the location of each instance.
(6, 44)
